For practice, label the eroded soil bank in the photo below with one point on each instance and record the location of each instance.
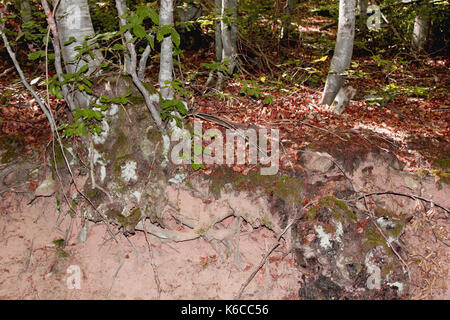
(353, 226)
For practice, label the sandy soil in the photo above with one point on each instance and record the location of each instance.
(33, 267)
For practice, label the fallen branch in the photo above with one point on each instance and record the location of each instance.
(414, 197)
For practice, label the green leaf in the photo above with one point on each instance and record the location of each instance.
(198, 166)
(139, 31)
(71, 40)
(36, 55)
(154, 16)
(175, 37)
(117, 46)
(83, 69)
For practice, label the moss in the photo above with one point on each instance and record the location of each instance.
(386, 269)
(441, 175)
(337, 206)
(380, 212)
(330, 229)
(443, 162)
(60, 253)
(13, 146)
(59, 155)
(265, 221)
(311, 213)
(154, 136)
(9, 155)
(121, 145)
(374, 238)
(136, 100)
(289, 189)
(396, 232)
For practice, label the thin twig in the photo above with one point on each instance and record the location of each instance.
(29, 256)
(372, 216)
(152, 262)
(268, 253)
(414, 197)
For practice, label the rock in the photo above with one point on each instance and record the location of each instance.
(317, 161)
(46, 188)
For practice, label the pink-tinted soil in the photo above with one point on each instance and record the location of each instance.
(110, 270)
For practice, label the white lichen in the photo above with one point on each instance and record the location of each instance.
(114, 108)
(178, 178)
(325, 238)
(137, 195)
(97, 159)
(128, 171)
(101, 138)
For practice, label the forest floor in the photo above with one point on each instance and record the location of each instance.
(412, 122)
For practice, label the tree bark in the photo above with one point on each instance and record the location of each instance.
(421, 29)
(166, 62)
(288, 8)
(218, 31)
(74, 20)
(362, 4)
(58, 64)
(342, 52)
(229, 49)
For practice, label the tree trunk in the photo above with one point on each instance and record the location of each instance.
(229, 49)
(74, 21)
(166, 62)
(288, 8)
(225, 38)
(342, 51)
(362, 21)
(218, 31)
(421, 30)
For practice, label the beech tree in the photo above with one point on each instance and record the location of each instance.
(225, 38)
(342, 51)
(422, 24)
(74, 27)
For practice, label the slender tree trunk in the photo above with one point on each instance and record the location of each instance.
(218, 42)
(226, 38)
(218, 31)
(421, 29)
(234, 28)
(342, 51)
(362, 21)
(166, 62)
(229, 49)
(150, 99)
(74, 22)
(56, 47)
(288, 8)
